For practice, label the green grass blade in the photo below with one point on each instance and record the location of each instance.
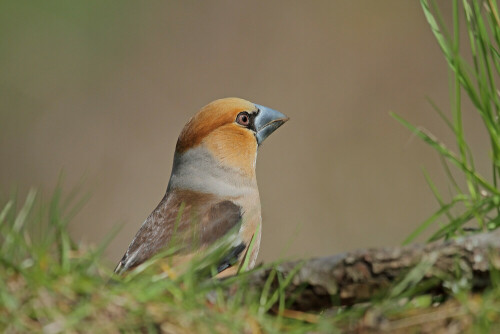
(425, 225)
(438, 146)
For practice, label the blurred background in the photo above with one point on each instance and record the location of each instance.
(100, 90)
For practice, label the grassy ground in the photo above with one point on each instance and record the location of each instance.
(51, 284)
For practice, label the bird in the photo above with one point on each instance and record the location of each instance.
(212, 191)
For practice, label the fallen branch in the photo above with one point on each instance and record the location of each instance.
(354, 277)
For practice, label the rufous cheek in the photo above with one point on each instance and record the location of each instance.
(234, 146)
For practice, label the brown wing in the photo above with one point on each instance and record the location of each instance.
(186, 218)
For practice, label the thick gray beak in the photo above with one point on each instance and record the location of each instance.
(266, 121)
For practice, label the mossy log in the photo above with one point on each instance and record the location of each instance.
(350, 278)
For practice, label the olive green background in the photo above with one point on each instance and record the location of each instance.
(100, 90)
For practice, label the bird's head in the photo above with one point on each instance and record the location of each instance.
(229, 131)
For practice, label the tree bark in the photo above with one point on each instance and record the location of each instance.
(354, 277)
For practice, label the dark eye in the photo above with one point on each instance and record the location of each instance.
(243, 118)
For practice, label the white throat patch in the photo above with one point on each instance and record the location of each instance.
(198, 170)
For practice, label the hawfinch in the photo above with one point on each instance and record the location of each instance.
(212, 189)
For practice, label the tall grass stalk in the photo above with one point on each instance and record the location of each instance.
(478, 201)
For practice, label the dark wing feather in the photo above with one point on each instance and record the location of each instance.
(231, 258)
(221, 218)
(191, 219)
